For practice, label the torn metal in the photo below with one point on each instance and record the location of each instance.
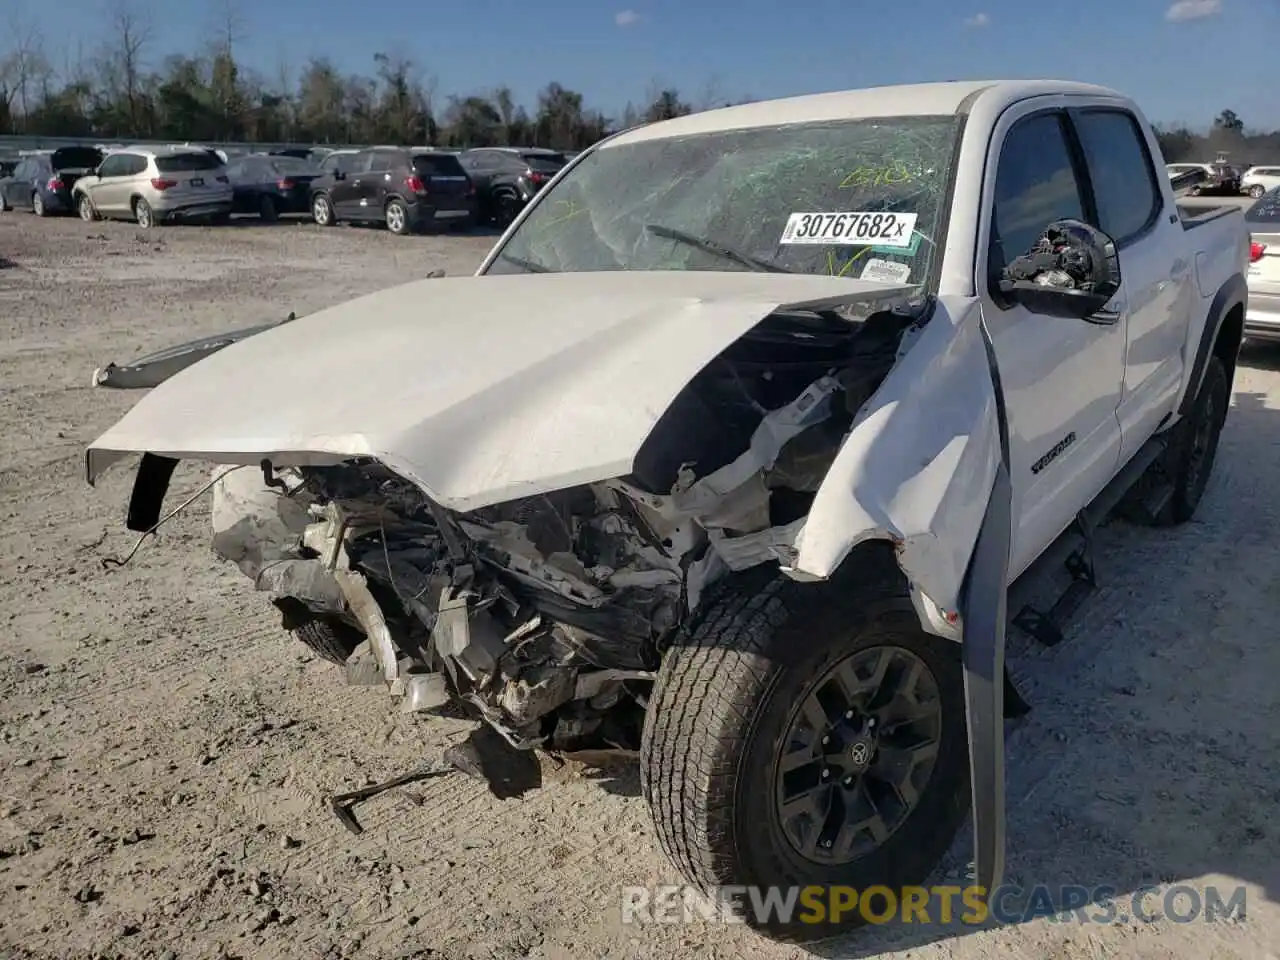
(547, 613)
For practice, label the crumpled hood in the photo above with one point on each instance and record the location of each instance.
(478, 389)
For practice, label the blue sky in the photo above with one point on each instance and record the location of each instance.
(1182, 61)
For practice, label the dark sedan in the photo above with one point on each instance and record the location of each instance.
(270, 185)
(42, 182)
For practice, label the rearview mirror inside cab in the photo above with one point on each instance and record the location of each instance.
(1072, 271)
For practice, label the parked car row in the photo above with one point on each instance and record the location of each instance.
(409, 189)
(1224, 179)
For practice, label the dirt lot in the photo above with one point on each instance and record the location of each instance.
(167, 750)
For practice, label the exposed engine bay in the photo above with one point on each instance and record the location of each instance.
(548, 615)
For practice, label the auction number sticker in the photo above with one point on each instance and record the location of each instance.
(849, 229)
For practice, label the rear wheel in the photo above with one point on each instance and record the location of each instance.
(801, 735)
(143, 214)
(322, 210)
(1187, 462)
(506, 208)
(397, 217)
(1257, 190)
(37, 205)
(267, 209)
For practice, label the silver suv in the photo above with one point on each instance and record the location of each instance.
(153, 186)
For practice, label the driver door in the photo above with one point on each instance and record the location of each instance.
(1062, 378)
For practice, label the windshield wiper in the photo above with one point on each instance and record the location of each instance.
(531, 265)
(716, 249)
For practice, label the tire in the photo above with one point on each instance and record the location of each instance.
(396, 215)
(267, 209)
(330, 639)
(506, 207)
(725, 697)
(4, 204)
(1257, 190)
(143, 214)
(84, 206)
(322, 210)
(37, 205)
(1187, 462)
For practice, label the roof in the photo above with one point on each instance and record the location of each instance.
(919, 99)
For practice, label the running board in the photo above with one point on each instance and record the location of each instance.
(1073, 551)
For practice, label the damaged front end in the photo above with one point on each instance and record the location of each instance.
(548, 615)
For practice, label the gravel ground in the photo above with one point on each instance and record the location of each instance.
(167, 750)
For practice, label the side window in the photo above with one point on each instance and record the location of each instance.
(360, 163)
(110, 167)
(134, 165)
(1120, 170)
(1035, 185)
(23, 171)
(236, 170)
(383, 160)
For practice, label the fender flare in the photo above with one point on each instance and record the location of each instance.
(983, 611)
(1234, 293)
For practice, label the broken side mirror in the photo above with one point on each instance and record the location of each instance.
(1072, 271)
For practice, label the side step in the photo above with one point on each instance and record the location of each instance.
(1073, 551)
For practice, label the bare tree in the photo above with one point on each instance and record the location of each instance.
(711, 95)
(129, 32)
(25, 72)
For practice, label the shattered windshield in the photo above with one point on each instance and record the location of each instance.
(847, 198)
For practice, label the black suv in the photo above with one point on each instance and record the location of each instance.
(507, 178)
(407, 188)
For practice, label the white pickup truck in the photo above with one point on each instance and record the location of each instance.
(736, 452)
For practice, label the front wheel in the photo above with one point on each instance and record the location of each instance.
(1257, 190)
(804, 736)
(85, 208)
(329, 638)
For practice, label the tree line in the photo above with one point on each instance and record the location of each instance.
(112, 94)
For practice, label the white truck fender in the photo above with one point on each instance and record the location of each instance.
(916, 468)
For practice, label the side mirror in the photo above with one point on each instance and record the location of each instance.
(339, 175)
(1072, 272)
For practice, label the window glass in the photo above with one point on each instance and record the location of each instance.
(1035, 185)
(187, 162)
(385, 160)
(285, 166)
(437, 165)
(360, 163)
(24, 170)
(134, 165)
(726, 200)
(1120, 170)
(113, 166)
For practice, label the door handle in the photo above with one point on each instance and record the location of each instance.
(1106, 317)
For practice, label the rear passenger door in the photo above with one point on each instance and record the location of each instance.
(1061, 378)
(1156, 285)
(18, 190)
(345, 192)
(378, 183)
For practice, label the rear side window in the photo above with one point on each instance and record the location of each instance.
(360, 163)
(1124, 183)
(131, 165)
(1035, 185)
(437, 165)
(187, 163)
